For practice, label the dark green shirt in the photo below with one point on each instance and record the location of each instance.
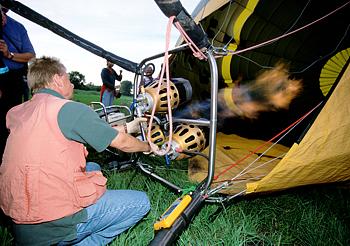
(80, 123)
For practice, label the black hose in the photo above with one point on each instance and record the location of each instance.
(194, 31)
(37, 18)
(169, 236)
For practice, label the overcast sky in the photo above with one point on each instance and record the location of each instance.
(132, 29)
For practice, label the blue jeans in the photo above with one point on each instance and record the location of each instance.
(113, 213)
(108, 98)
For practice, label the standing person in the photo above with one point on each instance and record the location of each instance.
(26, 92)
(16, 50)
(108, 90)
(50, 192)
(147, 78)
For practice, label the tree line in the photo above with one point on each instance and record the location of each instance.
(79, 82)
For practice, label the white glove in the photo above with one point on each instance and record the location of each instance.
(134, 126)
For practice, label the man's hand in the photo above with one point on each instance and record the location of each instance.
(154, 149)
(151, 145)
(4, 49)
(134, 126)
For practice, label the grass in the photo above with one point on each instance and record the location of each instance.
(315, 215)
(318, 215)
(94, 96)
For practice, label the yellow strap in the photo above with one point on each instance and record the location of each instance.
(230, 103)
(242, 18)
(226, 65)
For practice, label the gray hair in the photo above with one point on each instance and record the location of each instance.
(41, 71)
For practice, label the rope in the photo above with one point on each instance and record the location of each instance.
(196, 51)
(165, 69)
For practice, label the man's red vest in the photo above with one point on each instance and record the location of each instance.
(42, 175)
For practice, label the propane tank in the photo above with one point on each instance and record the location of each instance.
(186, 137)
(180, 93)
(157, 135)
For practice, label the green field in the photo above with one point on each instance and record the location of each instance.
(315, 215)
(94, 96)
